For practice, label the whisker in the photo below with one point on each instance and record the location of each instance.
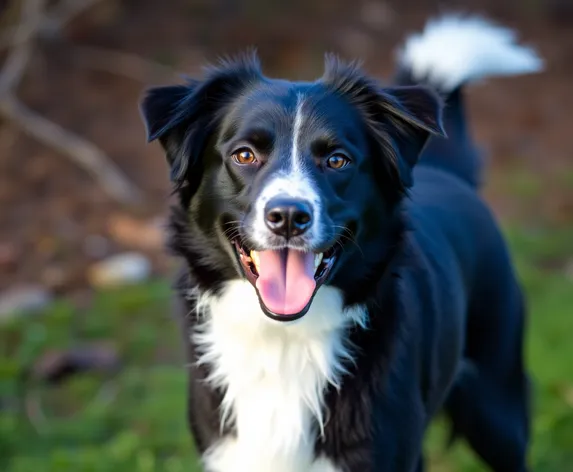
(347, 235)
(231, 232)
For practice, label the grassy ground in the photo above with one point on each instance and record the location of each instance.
(136, 421)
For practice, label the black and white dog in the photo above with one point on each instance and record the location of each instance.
(343, 279)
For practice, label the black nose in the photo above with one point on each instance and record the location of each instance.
(288, 217)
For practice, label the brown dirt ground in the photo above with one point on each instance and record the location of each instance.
(54, 219)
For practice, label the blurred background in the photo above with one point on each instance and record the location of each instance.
(92, 375)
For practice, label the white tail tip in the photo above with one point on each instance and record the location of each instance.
(454, 49)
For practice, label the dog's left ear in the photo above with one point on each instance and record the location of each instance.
(414, 114)
(401, 119)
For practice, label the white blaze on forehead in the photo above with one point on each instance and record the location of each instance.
(298, 119)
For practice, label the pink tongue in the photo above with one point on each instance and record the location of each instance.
(286, 280)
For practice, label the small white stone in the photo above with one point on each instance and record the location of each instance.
(23, 299)
(122, 269)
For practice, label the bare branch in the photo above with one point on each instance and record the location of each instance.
(35, 24)
(17, 60)
(51, 23)
(80, 151)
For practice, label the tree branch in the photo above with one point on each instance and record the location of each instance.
(82, 152)
(79, 150)
(18, 57)
(51, 22)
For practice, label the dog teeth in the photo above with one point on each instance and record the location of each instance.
(317, 260)
(255, 258)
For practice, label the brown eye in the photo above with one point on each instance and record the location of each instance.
(244, 157)
(337, 161)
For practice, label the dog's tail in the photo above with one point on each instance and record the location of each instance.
(449, 53)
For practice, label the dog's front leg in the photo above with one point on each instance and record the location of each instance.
(386, 437)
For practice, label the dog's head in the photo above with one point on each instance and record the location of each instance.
(290, 185)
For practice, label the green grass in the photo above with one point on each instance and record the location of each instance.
(135, 421)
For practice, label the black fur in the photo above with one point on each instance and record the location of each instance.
(446, 313)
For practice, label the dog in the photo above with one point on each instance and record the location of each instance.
(343, 281)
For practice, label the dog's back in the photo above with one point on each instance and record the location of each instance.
(462, 246)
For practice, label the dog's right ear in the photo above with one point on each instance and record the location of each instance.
(159, 107)
(183, 117)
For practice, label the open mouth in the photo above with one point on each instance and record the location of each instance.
(286, 279)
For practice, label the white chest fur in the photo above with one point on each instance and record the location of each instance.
(273, 376)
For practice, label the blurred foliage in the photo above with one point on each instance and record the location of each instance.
(136, 420)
